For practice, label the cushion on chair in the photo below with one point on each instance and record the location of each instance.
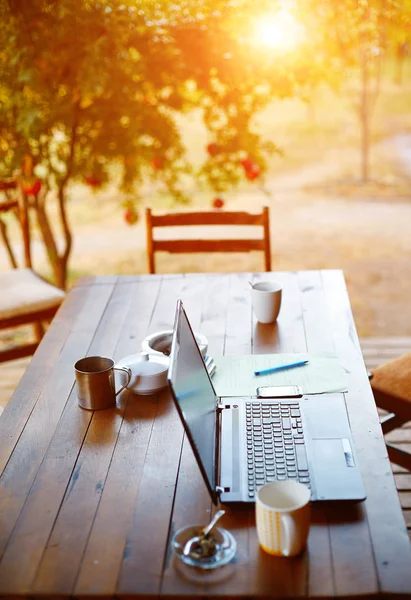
(394, 378)
(23, 292)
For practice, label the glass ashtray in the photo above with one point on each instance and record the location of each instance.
(221, 547)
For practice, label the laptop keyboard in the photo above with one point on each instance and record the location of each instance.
(275, 444)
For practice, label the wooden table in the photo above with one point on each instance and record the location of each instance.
(88, 502)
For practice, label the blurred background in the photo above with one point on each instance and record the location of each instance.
(110, 106)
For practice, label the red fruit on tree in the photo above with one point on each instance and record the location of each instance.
(157, 163)
(32, 188)
(247, 163)
(213, 149)
(253, 173)
(218, 203)
(130, 216)
(93, 181)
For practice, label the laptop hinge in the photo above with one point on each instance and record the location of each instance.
(219, 489)
(221, 406)
(218, 413)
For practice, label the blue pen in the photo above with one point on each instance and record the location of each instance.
(299, 363)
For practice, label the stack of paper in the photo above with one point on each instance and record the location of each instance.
(234, 375)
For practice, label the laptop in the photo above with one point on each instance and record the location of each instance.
(240, 443)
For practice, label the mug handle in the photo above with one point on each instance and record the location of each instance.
(290, 531)
(128, 372)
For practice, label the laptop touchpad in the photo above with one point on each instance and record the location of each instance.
(333, 459)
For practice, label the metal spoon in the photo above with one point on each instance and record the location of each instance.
(195, 541)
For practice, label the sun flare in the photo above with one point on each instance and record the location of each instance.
(280, 31)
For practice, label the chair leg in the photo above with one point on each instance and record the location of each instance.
(399, 457)
(38, 331)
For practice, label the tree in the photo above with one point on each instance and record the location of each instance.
(88, 83)
(358, 35)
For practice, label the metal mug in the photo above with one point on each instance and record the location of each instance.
(95, 382)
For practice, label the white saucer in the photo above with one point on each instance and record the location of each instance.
(148, 373)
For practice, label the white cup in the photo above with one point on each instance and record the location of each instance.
(283, 517)
(266, 299)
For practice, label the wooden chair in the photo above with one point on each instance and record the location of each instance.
(391, 385)
(207, 245)
(25, 297)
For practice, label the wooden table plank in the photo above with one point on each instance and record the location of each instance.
(176, 576)
(267, 575)
(192, 506)
(390, 542)
(22, 467)
(101, 562)
(239, 315)
(57, 469)
(191, 489)
(146, 544)
(317, 331)
(214, 314)
(63, 555)
(191, 293)
(349, 575)
(238, 328)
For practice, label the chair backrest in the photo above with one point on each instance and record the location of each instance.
(180, 219)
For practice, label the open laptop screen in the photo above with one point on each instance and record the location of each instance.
(194, 395)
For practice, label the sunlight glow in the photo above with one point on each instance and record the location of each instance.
(280, 31)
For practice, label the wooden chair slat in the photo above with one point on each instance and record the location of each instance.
(32, 316)
(18, 352)
(207, 218)
(181, 246)
(399, 457)
(174, 246)
(7, 205)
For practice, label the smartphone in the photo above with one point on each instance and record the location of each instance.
(280, 391)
